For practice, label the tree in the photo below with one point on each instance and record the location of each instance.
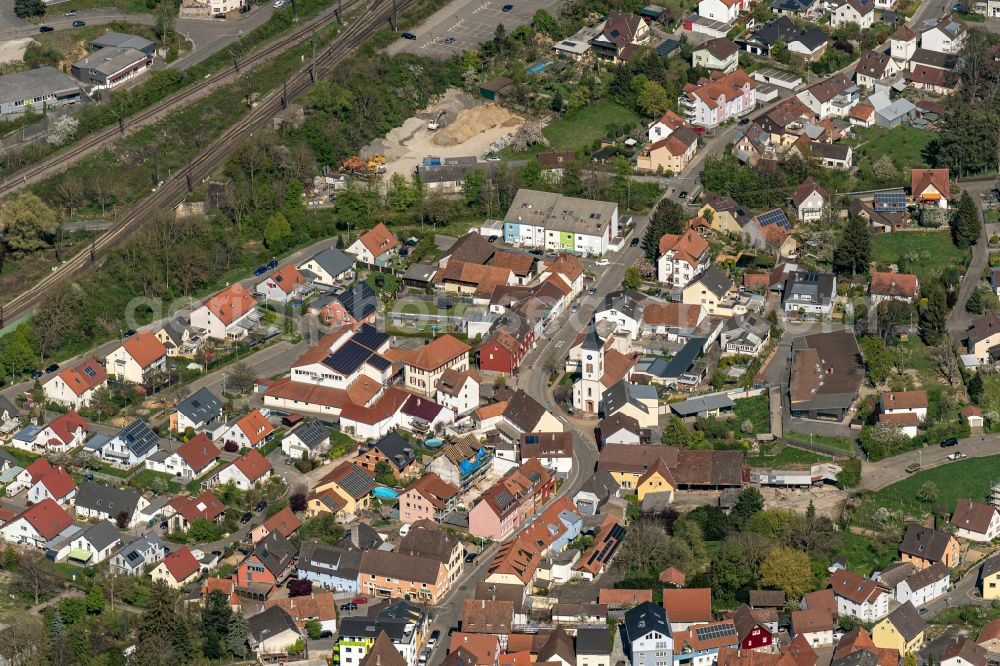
(236, 636)
(215, 624)
(668, 218)
(71, 192)
(735, 569)
(884, 169)
(644, 551)
(945, 358)
(878, 359)
(928, 492)
(934, 315)
(975, 304)
(301, 587)
(975, 388)
(241, 377)
(965, 224)
(787, 569)
(26, 8)
(653, 100)
(543, 22)
(557, 102)
(34, 577)
(853, 254)
(201, 530)
(276, 229)
(19, 350)
(749, 502)
(632, 278)
(297, 502)
(383, 473)
(95, 600)
(30, 225)
(61, 130)
(676, 433)
(314, 629)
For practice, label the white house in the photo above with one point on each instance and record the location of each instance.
(458, 391)
(311, 439)
(131, 446)
(648, 639)
(861, 12)
(809, 200)
(328, 267)
(976, 521)
(132, 559)
(902, 44)
(98, 501)
(63, 433)
(723, 11)
(623, 310)
(138, 357)
(904, 402)
(859, 597)
(95, 544)
(198, 410)
(176, 569)
(229, 315)
(74, 387)
(682, 258)
(664, 126)
(375, 247)
(947, 35)
(189, 461)
(284, 285)
(713, 101)
(38, 525)
(831, 98)
(963, 652)
(246, 471)
(554, 450)
(251, 430)
(57, 485)
(924, 585)
(815, 625)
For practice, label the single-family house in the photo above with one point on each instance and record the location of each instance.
(647, 637)
(392, 449)
(103, 502)
(252, 430)
(57, 485)
(246, 471)
(375, 247)
(893, 287)
(343, 491)
(266, 567)
(930, 186)
(681, 258)
(902, 630)
(859, 12)
(138, 359)
(311, 439)
(809, 200)
(284, 285)
(963, 652)
(859, 597)
(427, 498)
(285, 522)
(923, 546)
(687, 606)
(944, 35)
(189, 461)
(328, 267)
(133, 558)
(199, 410)
(38, 526)
(976, 521)
(816, 626)
(331, 567)
(131, 446)
(392, 575)
(228, 315)
(719, 53)
(272, 633)
(74, 387)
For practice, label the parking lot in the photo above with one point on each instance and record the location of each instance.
(462, 26)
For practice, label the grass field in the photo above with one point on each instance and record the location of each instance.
(905, 145)
(144, 479)
(757, 409)
(837, 443)
(22, 457)
(429, 308)
(971, 478)
(788, 456)
(861, 557)
(924, 253)
(579, 129)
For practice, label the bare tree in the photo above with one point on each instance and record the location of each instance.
(34, 577)
(241, 377)
(945, 362)
(102, 187)
(645, 548)
(23, 642)
(71, 192)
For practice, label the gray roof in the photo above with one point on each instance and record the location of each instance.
(109, 61)
(38, 82)
(331, 560)
(622, 393)
(600, 484)
(122, 40)
(270, 623)
(360, 300)
(398, 450)
(5, 404)
(524, 411)
(102, 535)
(819, 287)
(907, 621)
(333, 261)
(201, 406)
(312, 434)
(106, 499)
(715, 281)
(133, 553)
(700, 404)
(139, 438)
(275, 552)
(644, 618)
(174, 330)
(812, 39)
(862, 657)
(420, 272)
(990, 566)
(560, 213)
(627, 301)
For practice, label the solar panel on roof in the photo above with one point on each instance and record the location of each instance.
(89, 371)
(890, 202)
(378, 362)
(356, 483)
(531, 439)
(370, 337)
(668, 46)
(776, 217)
(348, 358)
(715, 631)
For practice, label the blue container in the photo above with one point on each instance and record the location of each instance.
(433, 443)
(384, 493)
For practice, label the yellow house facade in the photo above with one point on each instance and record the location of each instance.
(722, 221)
(989, 578)
(902, 630)
(331, 496)
(657, 480)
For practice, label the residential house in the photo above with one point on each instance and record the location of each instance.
(133, 558)
(328, 267)
(285, 522)
(500, 352)
(725, 215)
(982, 336)
(423, 367)
(57, 485)
(385, 574)
(902, 44)
(923, 546)
(893, 287)
(375, 247)
(74, 387)
(829, 155)
(670, 155)
(138, 358)
(722, 11)
(553, 450)
(667, 124)
(640, 401)
(392, 449)
(177, 569)
(859, 597)
(426, 539)
(596, 492)
(321, 607)
(831, 98)
(179, 338)
(859, 12)
(621, 34)
(190, 460)
(771, 232)
(989, 578)
(682, 258)
(564, 224)
(352, 307)
(676, 321)
(976, 521)
(989, 637)
(593, 646)
(596, 559)
(714, 100)
(311, 440)
(38, 526)
(713, 291)
(647, 637)
(623, 309)
(826, 375)
(809, 293)
(719, 53)
(103, 502)
(511, 501)
(816, 626)
(688, 606)
(744, 336)
(752, 633)
(904, 402)
(131, 446)
(284, 285)
(924, 585)
(458, 391)
(94, 544)
(902, 630)
(862, 115)
(343, 491)
(65, 432)
(963, 652)
(330, 567)
(875, 66)
(246, 471)
(252, 430)
(228, 315)
(272, 632)
(937, 81)
(944, 35)
(197, 411)
(930, 186)
(809, 200)
(266, 568)
(182, 511)
(427, 498)
(683, 470)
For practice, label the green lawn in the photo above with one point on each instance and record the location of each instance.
(757, 409)
(340, 444)
(970, 478)
(836, 443)
(861, 557)
(144, 479)
(579, 129)
(924, 253)
(905, 145)
(391, 283)
(787, 457)
(22, 457)
(429, 308)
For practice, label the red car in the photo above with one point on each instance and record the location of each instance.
(359, 600)
(698, 130)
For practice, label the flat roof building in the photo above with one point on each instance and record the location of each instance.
(37, 89)
(561, 223)
(111, 66)
(123, 40)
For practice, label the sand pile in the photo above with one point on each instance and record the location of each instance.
(474, 121)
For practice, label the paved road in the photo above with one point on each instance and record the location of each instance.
(875, 475)
(959, 318)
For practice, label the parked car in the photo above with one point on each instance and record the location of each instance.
(217, 553)
(507, 8)
(52, 368)
(349, 606)
(129, 333)
(244, 9)
(592, 291)
(635, 241)
(744, 121)
(698, 130)
(432, 641)
(359, 600)
(910, 469)
(450, 40)
(245, 518)
(951, 441)
(36, 374)
(537, 253)
(957, 455)
(409, 35)
(78, 24)
(260, 271)
(492, 239)
(278, 4)
(602, 262)
(71, 12)
(683, 195)
(470, 558)
(575, 307)
(46, 28)
(261, 505)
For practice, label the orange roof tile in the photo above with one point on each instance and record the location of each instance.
(230, 304)
(144, 348)
(198, 451)
(921, 179)
(84, 377)
(255, 426)
(379, 240)
(181, 564)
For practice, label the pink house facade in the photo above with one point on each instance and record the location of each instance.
(715, 100)
(510, 502)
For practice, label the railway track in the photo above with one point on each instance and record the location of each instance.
(158, 111)
(175, 189)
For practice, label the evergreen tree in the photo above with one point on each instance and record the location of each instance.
(934, 316)
(668, 218)
(975, 388)
(236, 635)
(557, 102)
(157, 626)
(965, 224)
(853, 254)
(95, 601)
(57, 628)
(215, 624)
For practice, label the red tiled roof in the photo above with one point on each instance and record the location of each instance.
(205, 505)
(181, 564)
(434, 489)
(65, 426)
(84, 377)
(379, 240)
(688, 605)
(443, 349)
(287, 278)
(671, 314)
(894, 284)
(231, 304)
(39, 468)
(285, 521)
(673, 576)
(58, 482)
(688, 246)
(252, 465)
(47, 518)
(904, 399)
(198, 452)
(622, 597)
(255, 426)
(144, 348)
(921, 179)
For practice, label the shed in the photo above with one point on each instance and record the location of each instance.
(492, 88)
